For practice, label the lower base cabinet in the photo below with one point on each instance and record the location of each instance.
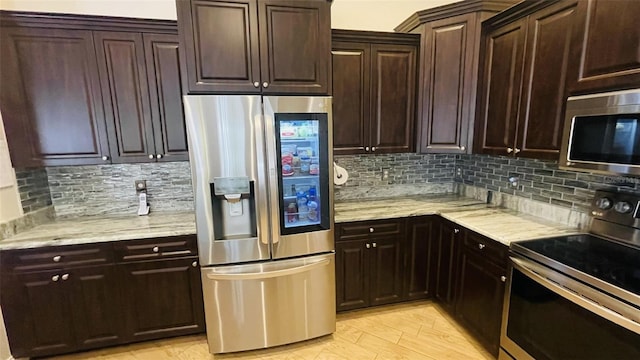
(63, 299)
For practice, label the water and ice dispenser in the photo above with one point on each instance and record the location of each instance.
(234, 208)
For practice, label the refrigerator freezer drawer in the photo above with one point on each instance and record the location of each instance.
(261, 305)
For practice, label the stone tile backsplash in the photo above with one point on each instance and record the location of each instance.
(109, 189)
(33, 188)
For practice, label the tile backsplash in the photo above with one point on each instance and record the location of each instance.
(109, 189)
(34, 190)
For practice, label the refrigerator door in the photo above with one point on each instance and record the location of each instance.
(299, 152)
(226, 153)
(261, 305)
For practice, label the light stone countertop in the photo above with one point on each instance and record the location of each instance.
(93, 229)
(500, 224)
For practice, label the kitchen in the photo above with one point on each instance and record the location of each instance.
(444, 165)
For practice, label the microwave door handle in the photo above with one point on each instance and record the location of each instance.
(526, 268)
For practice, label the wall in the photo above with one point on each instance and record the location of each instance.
(380, 15)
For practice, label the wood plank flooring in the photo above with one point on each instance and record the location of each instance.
(417, 330)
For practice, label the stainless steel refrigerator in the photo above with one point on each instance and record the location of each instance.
(264, 202)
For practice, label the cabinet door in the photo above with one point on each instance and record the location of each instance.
(295, 46)
(541, 118)
(449, 83)
(480, 297)
(447, 266)
(220, 40)
(393, 85)
(97, 314)
(386, 270)
(352, 275)
(125, 95)
(607, 46)
(165, 93)
(37, 314)
(351, 97)
(500, 89)
(419, 258)
(50, 97)
(164, 298)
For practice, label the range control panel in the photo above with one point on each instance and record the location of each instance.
(617, 207)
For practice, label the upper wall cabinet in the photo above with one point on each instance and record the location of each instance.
(607, 46)
(526, 52)
(448, 72)
(256, 46)
(374, 77)
(81, 90)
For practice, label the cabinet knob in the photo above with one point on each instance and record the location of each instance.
(65, 276)
(367, 246)
(159, 156)
(194, 264)
(481, 246)
(366, 148)
(516, 150)
(463, 148)
(371, 229)
(151, 156)
(455, 231)
(55, 278)
(373, 148)
(374, 245)
(105, 158)
(155, 249)
(509, 150)
(256, 84)
(265, 84)
(57, 258)
(503, 278)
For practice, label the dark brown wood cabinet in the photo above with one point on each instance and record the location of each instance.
(524, 77)
(369, 263)
(109, 91)
(606, 46)
(256, 46)
(104, 294)
(374, 84)
(481, 287)
(446, 252)
(420, 257)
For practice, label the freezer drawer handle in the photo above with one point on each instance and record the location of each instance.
(213, 275)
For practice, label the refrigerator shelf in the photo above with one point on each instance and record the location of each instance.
(300, 177)
(298, 139)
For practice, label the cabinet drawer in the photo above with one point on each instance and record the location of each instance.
(364, 229)
(51, 257)
(486, 247)
(156, 248)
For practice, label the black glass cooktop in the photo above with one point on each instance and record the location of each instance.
(608, 261)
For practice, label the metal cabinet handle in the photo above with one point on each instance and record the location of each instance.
(367, 246)
(516, 150)
(481, 246)
(256, 84)
(455, 231)
(371, 229)
(55, 278)
(265, 84)
(374, 245)
(509, 150)
(65, 276)
(155, 249)
(503, 278)
(373, 148)
(105, 158)
(151, 156)
(194, 264)
(366, 148)
(57, 258)
(159, 156)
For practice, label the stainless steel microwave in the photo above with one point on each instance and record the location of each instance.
(602, 133)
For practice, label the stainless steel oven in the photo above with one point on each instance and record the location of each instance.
(602, 133)
(577, 296)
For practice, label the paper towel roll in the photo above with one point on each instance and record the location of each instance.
(340, 175)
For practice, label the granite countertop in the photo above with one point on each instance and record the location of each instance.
(92, 229)
(497, 223)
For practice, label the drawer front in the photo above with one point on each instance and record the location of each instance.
(52, 257)
(156, 248)
(486, 247)
(364, 229)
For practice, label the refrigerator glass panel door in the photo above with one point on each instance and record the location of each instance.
(302, 172)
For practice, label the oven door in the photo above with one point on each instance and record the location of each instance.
(548, 315)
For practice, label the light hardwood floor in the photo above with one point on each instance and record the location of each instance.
(417, 330)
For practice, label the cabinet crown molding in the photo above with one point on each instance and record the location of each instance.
(446, 11)
(518, 11)
(378, 37)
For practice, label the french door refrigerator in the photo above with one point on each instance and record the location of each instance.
(264, 203)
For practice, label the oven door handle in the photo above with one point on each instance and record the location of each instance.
(578, 293)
